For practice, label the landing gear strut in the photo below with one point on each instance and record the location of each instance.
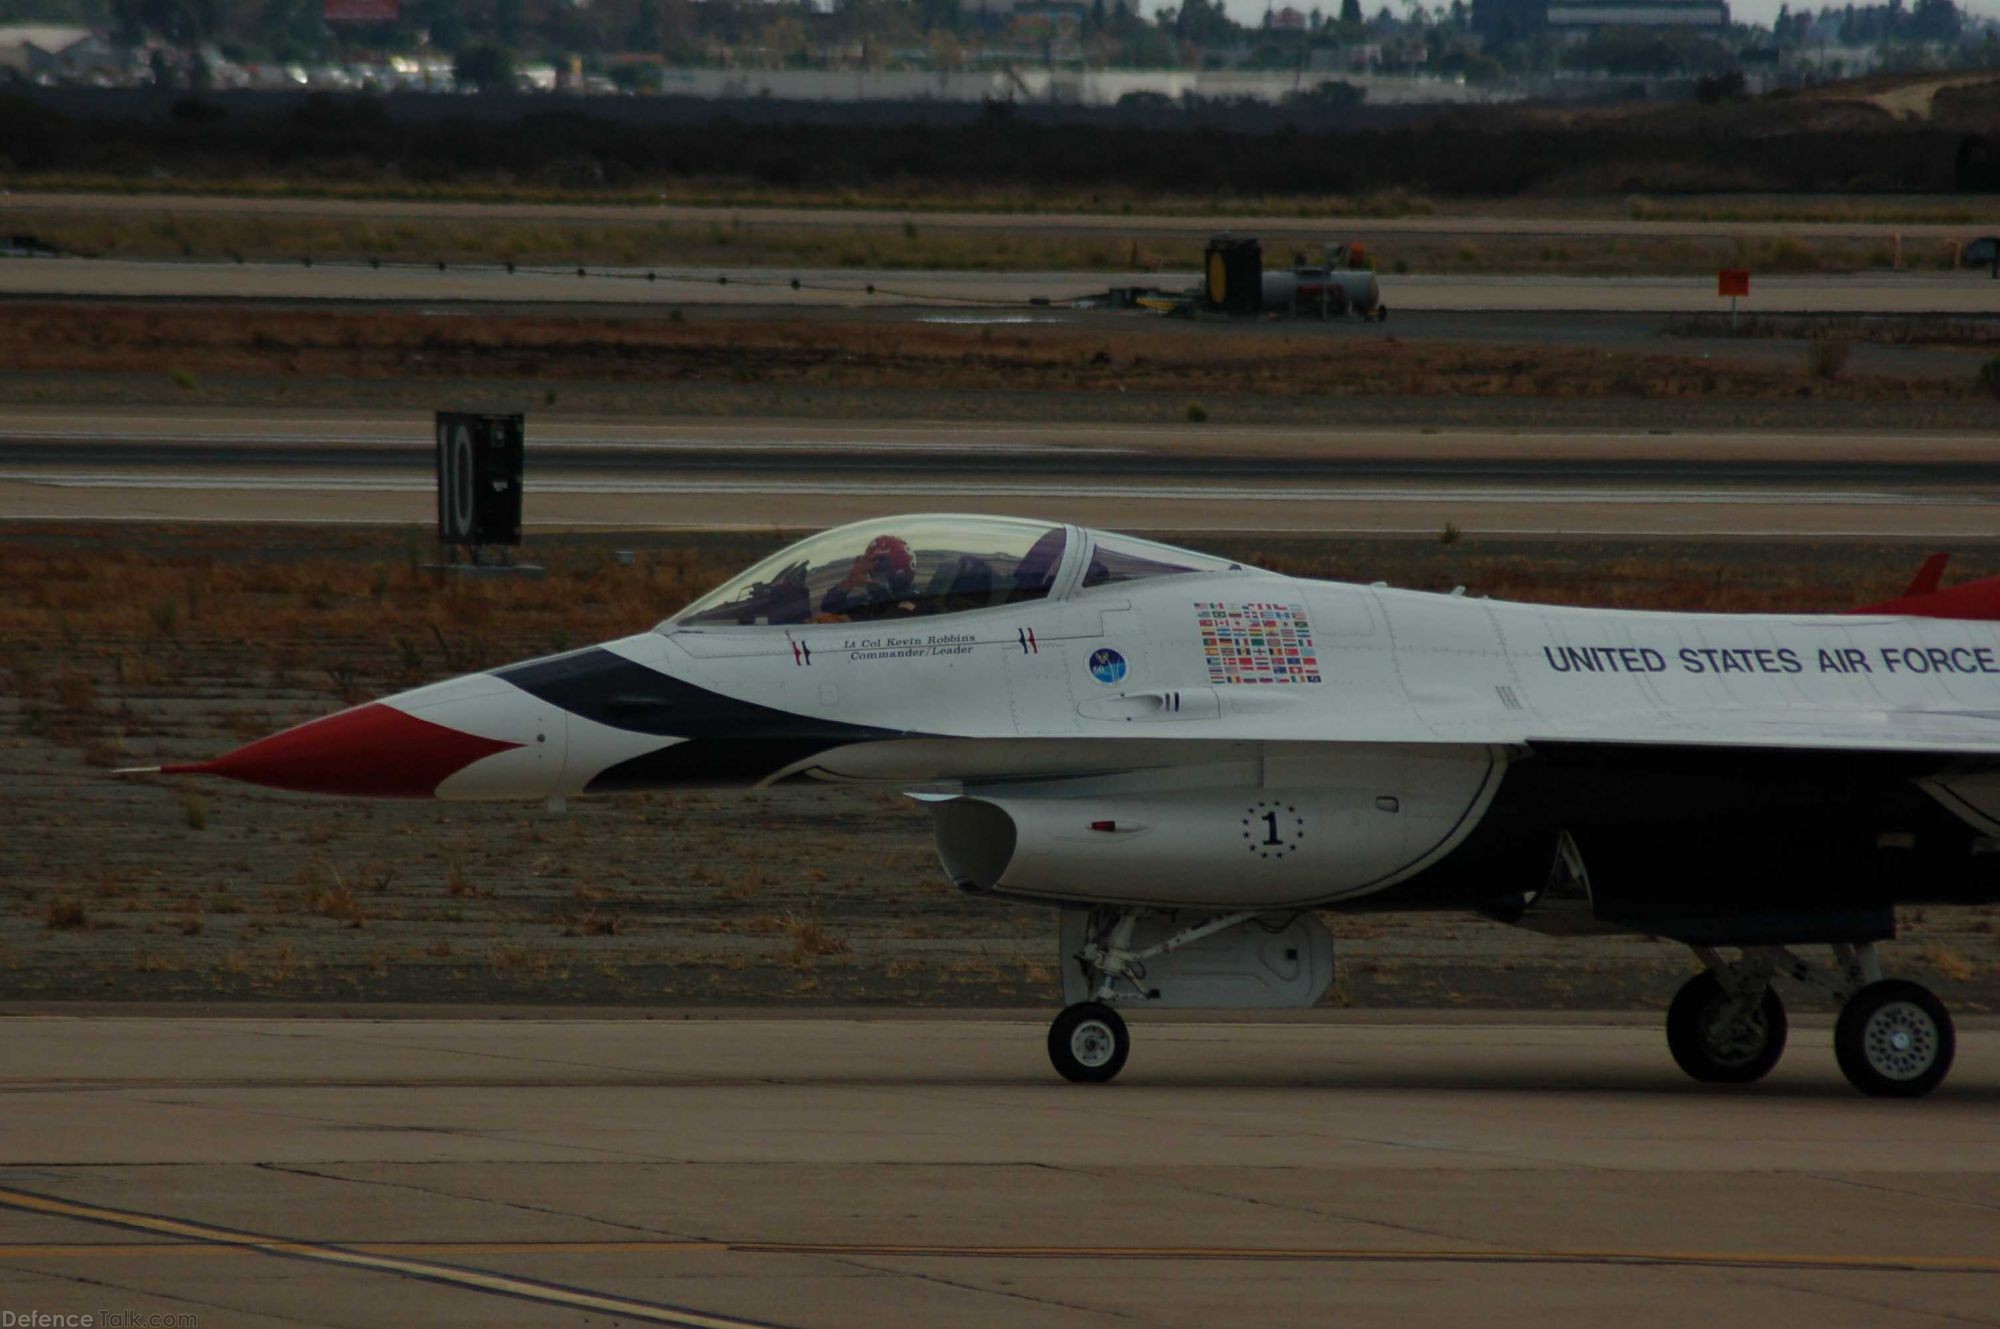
(1726, 1025)
(1088, 1042)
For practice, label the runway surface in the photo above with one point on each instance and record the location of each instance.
(1957, 294)
(834, 1171)
(246, 466)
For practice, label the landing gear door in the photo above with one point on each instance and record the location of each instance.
(1280, 962)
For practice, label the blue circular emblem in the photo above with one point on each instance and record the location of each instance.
(1106, 665)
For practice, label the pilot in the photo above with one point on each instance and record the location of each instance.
(881, 581)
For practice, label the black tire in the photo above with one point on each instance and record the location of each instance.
(1381, 313)
(1088, 1043)
(1691, 1034)
(1894, 1040)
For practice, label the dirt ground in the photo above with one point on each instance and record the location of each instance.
(125, 647)
(918, 242)
(1148, 358)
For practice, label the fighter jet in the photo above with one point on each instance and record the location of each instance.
(1190, 758)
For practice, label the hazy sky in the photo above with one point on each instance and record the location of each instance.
(1748, 11)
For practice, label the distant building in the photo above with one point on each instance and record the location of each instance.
(37, 48)
(1500, 21)
(1587, 16)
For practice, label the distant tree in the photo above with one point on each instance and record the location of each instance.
(1934, 21)
(1329, 96)
(184, 24)
(645, 33)
(508, 18)
(1350, 12)
(1204, 23)
(1712, 88)
(1483, 68)
(439, 22)
(935, 14)
(785, 42)
(946, 53)
(291, 29)
(486, 66)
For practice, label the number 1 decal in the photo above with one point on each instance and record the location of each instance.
(1281, 832)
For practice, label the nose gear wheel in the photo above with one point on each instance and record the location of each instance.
(1088, 1043)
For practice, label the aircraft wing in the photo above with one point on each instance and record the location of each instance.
(1955, 733)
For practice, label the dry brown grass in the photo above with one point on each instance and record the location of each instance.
(64, 914)
(1947, 963)
(514, 958)
(330, 893)
(285, 962)
(593, 923)
(460, 886)
(1034, 243)
(848, 355)
(1884, 330)
(324, 608)
(744, 885)
(810, 941)
(1826, 357)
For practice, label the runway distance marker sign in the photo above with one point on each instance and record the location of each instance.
(479, 465)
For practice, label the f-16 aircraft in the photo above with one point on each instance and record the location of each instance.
(1189, 758)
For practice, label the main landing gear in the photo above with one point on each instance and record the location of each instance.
(1088, 1042)
(1726, 1026)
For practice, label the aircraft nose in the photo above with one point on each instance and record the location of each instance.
(376, 749)
(471, 737)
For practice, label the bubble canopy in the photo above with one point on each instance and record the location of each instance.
(888, 568)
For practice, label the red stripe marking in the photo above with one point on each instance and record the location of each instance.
(1973, 600)
(371, 750)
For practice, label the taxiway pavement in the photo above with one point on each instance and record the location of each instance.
(1909, 294)
(832, 1171)
(376, 467)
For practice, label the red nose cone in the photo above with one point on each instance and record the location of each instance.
(372, 750)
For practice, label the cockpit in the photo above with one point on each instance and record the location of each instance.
(922, 566)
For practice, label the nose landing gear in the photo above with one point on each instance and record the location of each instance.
(1088, 1043)
(1893, 1039)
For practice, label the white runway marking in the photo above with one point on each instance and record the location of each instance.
(1005, 489)
(475, 1280)
(542, 441)
(1316, 529)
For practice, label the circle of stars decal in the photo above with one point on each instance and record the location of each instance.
(1273, 828)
